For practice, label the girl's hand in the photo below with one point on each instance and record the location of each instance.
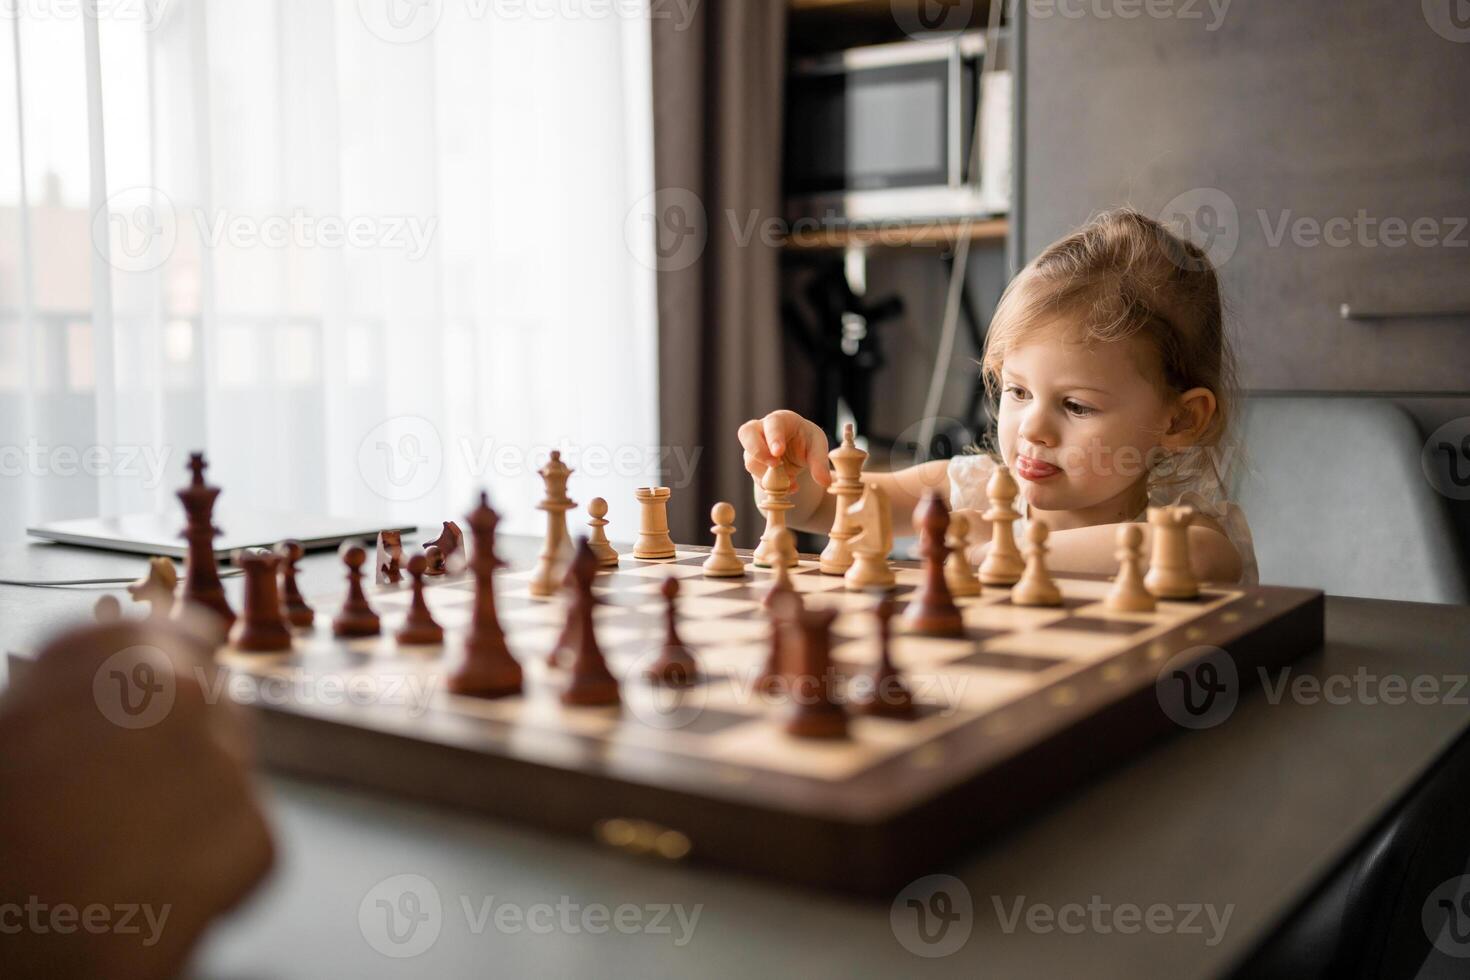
(788, 439)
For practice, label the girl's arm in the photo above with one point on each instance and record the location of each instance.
(815, 508)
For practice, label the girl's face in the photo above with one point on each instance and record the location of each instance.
(1078, 422)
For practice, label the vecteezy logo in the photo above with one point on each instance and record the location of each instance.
(135, 229)
(134, 688)
(401, 916)
(1446, 458)
(1199, 687)
(933, 916)
(401, 459)
(1450, 19)
(929, 17)
(663, 706)
(400, 21)
(1446, 917)
(666, 230)
(1207, 218)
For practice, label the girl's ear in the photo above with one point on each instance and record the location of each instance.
(1191, 416)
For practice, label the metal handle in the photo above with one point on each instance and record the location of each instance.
(1351, 312)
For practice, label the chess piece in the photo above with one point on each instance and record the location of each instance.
(775, 502)
(871, 542)
(782, 602)
(932, 611)
(488, 669)
(261, 627)
(780, 574)
(201, 575)
(1169, 575)
(1036, 587)
(566, 640)
(298, 613)
(653, 524)
(591, 682)
(723, 562)
(847, 486)
(1002, 564)
(157, 588)
(815, 713)
(448, 554)
(889, 697)
(606, 556)
(107, 609)
(1128, 593)
(959, 574)
(556, 549)
(419, 627)
(388, 561)
(675, 665)
(356, 617)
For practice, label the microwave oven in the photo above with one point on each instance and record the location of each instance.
(884, 133)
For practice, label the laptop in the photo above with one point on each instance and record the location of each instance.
(158, 534)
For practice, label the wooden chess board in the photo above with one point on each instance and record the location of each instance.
(1029, 704)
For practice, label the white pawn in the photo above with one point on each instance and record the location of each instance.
(1036, 587)
(959, 574)
(597, 540)
(722, 561)
(1128, 593)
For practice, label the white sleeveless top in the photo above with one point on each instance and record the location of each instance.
(969, 473)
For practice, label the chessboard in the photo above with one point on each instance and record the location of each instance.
(1030, 703)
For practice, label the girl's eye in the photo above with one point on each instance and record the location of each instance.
(1015, 391)
(1077, 408)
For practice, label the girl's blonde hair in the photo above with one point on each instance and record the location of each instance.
(1120, 275)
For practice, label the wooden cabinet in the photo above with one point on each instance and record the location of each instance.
(1331, 141)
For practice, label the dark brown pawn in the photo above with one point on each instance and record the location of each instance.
(388, 562)
(298, 613)
(566, 640)
(261, 627)
(591, 683)
(356, 617)
(889, 698)
(932, 610)
(419, 627)
(449, 543)
(488, 670)
(783, 603)
(675, 665)
(814, 711)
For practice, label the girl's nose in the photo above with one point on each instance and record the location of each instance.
(1036, 427)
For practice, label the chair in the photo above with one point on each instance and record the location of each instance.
(1337, 499)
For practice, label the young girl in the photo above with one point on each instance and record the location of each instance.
(1115, 385)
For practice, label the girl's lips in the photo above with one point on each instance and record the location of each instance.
(1034, 469)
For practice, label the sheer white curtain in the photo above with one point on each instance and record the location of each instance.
(370, 254)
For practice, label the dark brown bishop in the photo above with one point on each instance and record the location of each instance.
(591, 682)
(932, 611)
(488, 669)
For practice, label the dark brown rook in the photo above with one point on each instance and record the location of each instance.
(675, 665)
(201, 575)
(932, 610)
(419, 628)
(488, 669)
(591, 682)
(356, 617)
(261, 627)
(298, 613)
(889, 697)
(388, 562)
(815, 713)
